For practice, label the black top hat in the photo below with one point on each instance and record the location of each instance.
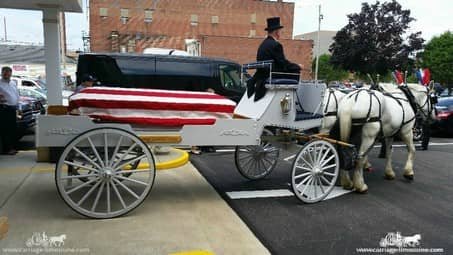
(273, 24)
(87, 77)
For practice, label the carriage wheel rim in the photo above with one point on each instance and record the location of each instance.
(256, 162)
(108, 193)
(315, 171)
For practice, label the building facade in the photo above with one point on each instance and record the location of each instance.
(213, 28)
(325, 40)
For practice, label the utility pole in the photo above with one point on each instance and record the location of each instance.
(318, 44)
(4, 25)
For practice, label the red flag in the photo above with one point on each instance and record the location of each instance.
(399, 77)
(426, 76)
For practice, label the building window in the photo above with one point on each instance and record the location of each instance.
(215, 19)
(149, 16)
(252, 33)
(194, 20)
(124, 13)
(253, 18)
(103, 12)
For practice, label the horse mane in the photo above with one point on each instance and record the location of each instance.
(390, 87)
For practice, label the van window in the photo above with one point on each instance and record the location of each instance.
(231, 77)
(182, 68)
(136, 66)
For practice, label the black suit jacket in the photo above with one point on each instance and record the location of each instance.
(270, 49)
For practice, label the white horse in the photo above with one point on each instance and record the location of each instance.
(57, 241)
(389, 114)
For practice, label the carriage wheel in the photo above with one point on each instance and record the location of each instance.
(256, 162)
(105, 191)
(315, 171)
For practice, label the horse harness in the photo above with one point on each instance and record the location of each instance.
(368, 118)
(331, 113)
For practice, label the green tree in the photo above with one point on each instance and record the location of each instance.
(438, 57)
(373, 43)
(328, 72)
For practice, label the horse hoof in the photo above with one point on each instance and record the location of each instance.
(347, 187)
(389, 177)
(368, 169)
(409, 177)
(363, 191)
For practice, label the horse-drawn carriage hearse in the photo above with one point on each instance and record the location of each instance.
(98, 173)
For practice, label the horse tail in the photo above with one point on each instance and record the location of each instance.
(345, 118)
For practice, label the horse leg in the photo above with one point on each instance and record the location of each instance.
(389, 174)
(345, 180)
(407, 138)
(369, 133)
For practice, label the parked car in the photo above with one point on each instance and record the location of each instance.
(163, 72)
(36, 95)
(444, 115)
(30, 83)
(25, 117)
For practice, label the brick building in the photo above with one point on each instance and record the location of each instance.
(229, 29)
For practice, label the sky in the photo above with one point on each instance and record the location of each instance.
(432, 18)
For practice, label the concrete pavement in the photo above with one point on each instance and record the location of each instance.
(182, 213)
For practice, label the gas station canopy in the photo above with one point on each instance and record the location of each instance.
(51, 10)
(62, 5)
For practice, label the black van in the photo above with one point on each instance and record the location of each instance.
(163, 72)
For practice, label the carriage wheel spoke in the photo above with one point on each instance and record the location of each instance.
(81, 186)
(302, 175)
(96, 153)
(124, 155)
(306, 162)
(327, 161)
(126, 188)
(306, 186)
(86, 157)
(80, 166)
(324, 155)
(88, 193)
(321, 186)
(133, 171)
(327, 181)
(78, 176)
(329, 174)
(118, 194)
(304, 168)
(109, 208)
(131, 180)
(117, 147)
(106, 150)
(303, 181)
(329, 166)
(95, 203)
(319, 154)
(130, 161)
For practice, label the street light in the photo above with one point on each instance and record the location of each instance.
(318, 43)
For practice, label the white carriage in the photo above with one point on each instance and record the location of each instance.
(97, 173)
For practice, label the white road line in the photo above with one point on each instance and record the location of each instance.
(336, 192)
(259, 193)
(290, 157)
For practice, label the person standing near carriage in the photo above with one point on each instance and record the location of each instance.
(271, 49)
(424, 77)
(9, 98)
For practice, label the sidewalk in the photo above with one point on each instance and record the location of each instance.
(182, 213)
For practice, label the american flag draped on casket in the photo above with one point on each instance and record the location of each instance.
(151, 107)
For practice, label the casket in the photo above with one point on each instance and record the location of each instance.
(151, 107)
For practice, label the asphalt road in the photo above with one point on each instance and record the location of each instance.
(341, 225)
